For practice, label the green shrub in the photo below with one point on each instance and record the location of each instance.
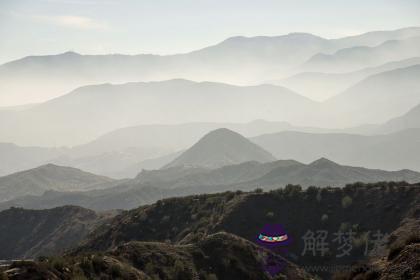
(269, 214)
(346, 201)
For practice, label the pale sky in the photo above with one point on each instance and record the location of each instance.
(38, 27)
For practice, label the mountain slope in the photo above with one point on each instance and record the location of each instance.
(49, 177)
(181, 178)
(184, 220)
(359, 57)
(30, 233)
(219, 148)
(321, 86)
(409, 120)
(324, 172)
(390, 151)
(378, 98)
(375, 38)
(132, 104)
(218, 256)
(17, 158)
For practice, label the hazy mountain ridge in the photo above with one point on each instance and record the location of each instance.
(260, 57)
(178, 177)
(151, 186)
(359, 57)
(324, 172)
(49, 177)
(196, 171)
(377, 98)
(219, 148)
(124, 152)
(118, 106)
(389, 151)
(132, 104)
(409, 120)
(326, 85)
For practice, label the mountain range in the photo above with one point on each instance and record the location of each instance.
(221, 171)
(174, 166)
(377, 98)
(132, 104)
(386, 151)
(409, 120)
(321, 86)
(359, 57)
(124, 152)
(120, 104)
(237, 60)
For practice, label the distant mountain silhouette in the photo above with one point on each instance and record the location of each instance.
(390, 151)
(219, 148)
(150, 186)
(324, 172)
(131, 104)
(49, 177)
(409, 120)
(322, 86)
(181, 177)
(122, 153)
(359, 57)
(377, 98)
(237, 60)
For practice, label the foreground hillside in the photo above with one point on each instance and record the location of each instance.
(30, 233)
(218, 256)
(358, 208)
(182, 235)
